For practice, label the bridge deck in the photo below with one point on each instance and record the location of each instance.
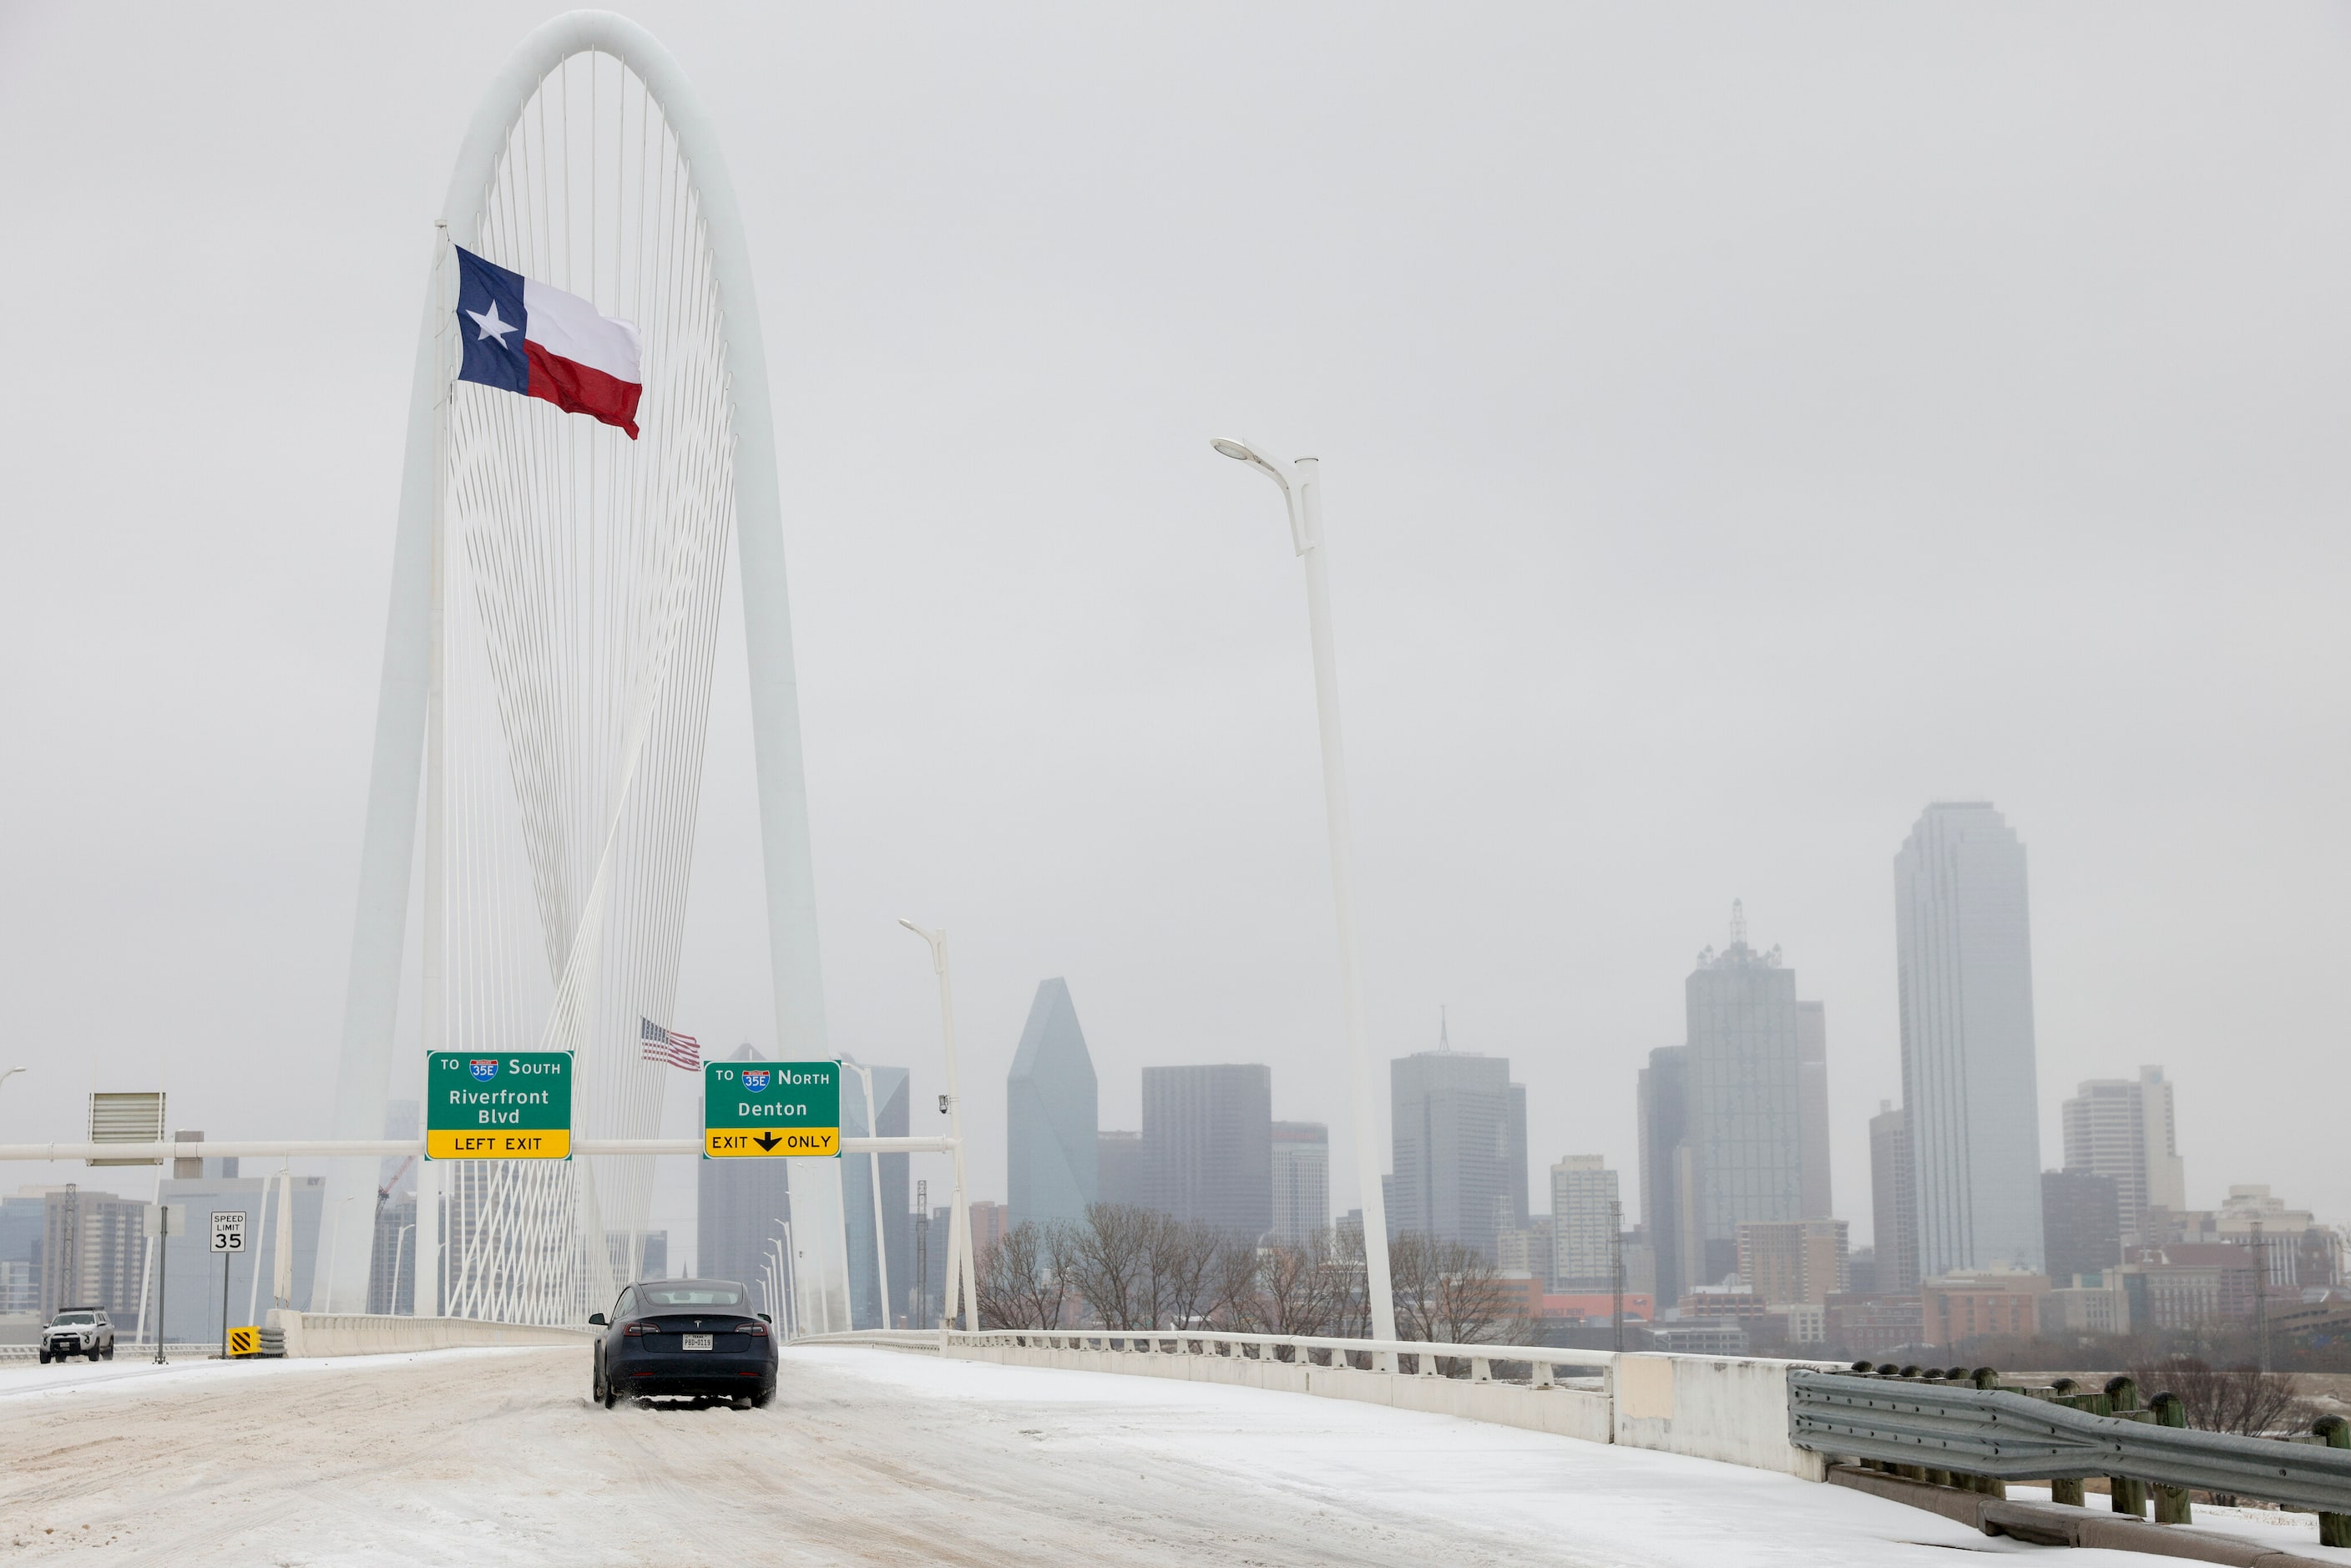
(494, 1458)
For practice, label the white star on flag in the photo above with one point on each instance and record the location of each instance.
(490, 325)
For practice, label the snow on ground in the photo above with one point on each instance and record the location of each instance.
(498, 1458)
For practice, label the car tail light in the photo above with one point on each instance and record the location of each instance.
(635, 1330)
(757, 1330)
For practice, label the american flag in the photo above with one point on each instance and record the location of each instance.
(677, 1049)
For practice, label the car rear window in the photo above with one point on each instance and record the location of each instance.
(686, 1295)
(75, 1317)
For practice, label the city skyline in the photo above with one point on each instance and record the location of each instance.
(1534, 705)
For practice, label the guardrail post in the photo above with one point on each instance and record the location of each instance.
(1989, 1486)
(2170, 1502)
(2129, 1495)
(1481, 1369)
(2334, 1529)
(2067, 1489)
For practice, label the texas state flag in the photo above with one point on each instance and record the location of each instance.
(527, 338)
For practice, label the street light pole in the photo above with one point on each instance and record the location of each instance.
(961, 1275)
(1301, 493)
(873, 1180)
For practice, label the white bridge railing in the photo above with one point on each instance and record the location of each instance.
(1420, 1358)
(1729, 1409)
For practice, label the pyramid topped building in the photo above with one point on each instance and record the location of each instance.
(1052, 1114)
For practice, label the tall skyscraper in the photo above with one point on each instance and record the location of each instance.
(1207, 1144)
(2124, 1130)
(1812, 1106)
(739, 1207)
(1456, 1152)
(1052, 1114)
(1119, 1173)
(92, 1246)
(1302, 1181)
(1893, 1201)
(1964, 951)
(1666, 1187)
(1746, 1119)
(2081, 1223)
(1585, 1218)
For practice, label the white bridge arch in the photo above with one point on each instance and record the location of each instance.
(547, 662)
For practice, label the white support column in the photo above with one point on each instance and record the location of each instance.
(427, 1267)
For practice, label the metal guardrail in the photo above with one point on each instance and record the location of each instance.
(2009, 1436)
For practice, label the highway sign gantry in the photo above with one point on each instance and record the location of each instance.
(511, 1105)
(770, 1110)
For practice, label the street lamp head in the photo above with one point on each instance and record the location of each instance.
(1242, 452)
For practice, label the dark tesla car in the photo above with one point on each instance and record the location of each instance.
(685, 1338)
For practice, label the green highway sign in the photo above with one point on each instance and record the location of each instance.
(513, 1106)
(770, 1110)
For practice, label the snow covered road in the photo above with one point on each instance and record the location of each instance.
(496, 1457)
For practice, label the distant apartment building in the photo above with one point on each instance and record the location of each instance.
(93, 1248)
(1745, 1128)
(1119, 1174)
(1873, 1324)
(1964, 967)
(2189, 1285)
(1893, 1200)
(2125, 1129)
(2081, 1223)
(1665, 1169)
(989, 1222)
(1961, 1305)
(1459, 1147)
(1793, 1260)
(2296, 1252)
(1052, 1114)
(1207, 1144)
(24, 1214)
(1812, 1108)
(1585, 1220)
(1528, 1251)
(2091, 1304)
(1302, 1181)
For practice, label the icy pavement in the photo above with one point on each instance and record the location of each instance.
(496, 1457)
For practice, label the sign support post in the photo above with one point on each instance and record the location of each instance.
(228, 1239)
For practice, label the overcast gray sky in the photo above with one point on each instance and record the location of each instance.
(1740, 426)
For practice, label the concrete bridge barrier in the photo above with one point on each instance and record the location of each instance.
(1729, 1408)
(366, 1333)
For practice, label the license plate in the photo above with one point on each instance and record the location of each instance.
(697, 1341)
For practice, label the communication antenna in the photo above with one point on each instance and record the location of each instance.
(1444, 1039)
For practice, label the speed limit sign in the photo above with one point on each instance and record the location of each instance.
(228, 1231)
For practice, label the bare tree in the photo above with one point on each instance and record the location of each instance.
(1183, 1272)
(1448, 1293)
(1110, 1264)
(1237, 1282)
(2243, 1399)
(1022, 1279)
(1302, 1288)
